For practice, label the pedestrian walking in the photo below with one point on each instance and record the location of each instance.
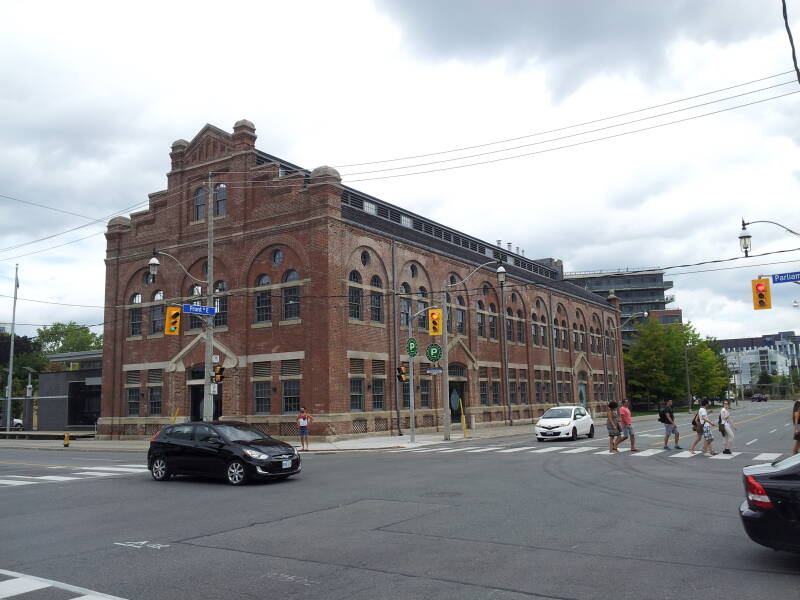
(627, 426)
(613, 426)
(303, 421)
(667, 417)
(727, 426)
(704, 430)
(796, 423)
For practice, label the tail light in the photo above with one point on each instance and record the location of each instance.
(756, 494)
(158, 433)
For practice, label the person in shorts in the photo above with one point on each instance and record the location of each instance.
(708, 435)
(303, 421)
(613, 426)
(668, 419)
(627, 426)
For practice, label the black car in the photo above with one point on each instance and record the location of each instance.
(236, 451)
(771, 513)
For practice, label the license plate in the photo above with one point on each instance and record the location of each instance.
(286, 464)
(550, 433)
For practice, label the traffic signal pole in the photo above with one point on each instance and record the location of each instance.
(208, 399)
(411, 388)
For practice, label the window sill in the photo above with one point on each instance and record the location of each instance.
(133, 338)
(354, 321)
(261, 325)
(377, 324)
(290, 322)
(155, 336)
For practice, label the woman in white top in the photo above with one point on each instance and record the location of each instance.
(726, 421)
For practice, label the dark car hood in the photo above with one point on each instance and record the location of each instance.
(265, 445)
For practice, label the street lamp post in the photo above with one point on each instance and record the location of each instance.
(411, 374)
(445, 364)
(153, 265)
(745, 239)
(501, 279)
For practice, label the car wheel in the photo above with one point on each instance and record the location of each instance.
(574, 435)
(235, 473)
(591, 432)
(159, 469)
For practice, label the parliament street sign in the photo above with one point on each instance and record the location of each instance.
(433, 352)
(434, 371)
(412, 347)
(197, 309)
(786, 277)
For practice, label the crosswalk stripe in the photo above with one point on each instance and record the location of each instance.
(722, 456)
(15, 482)
(136, 466)
(516, 449)
(118, 469)
(549, 449)
(648, 452)
(20, 585)
(427, 450)
(770, 456)
(577, 450)
(485, 449)
(46, 477)
(96, 473)
(458, 449)
(684, 454)
(620, 451)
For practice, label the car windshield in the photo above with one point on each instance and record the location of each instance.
(791, 461)
(239, 433)
(558, 413)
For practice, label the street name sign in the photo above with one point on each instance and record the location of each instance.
(434, 371)
(197, 309)
(786, 277)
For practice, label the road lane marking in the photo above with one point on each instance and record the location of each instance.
(550, 449)
(96, 473)
(620, 451)
(46, 477)
(458, 449)
(770, 456)
(721, 456)
(649, 452)
(15, 482)
(516, 449)
(427, 450)
(118, 469)
(20, 585)
(46, 583)
(751, 442)
(576, 450)
(773, 431)
(684, 454)
(136, 466)
(485, 449)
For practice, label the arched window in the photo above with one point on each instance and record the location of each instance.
(461, 316)
(199, 204)
(543, 331)
(422, 291)
(480, 305)
(291, 275)
(376, 300)
(534, 330)
(291, 296)
(481, 320)
(485, 290)
(414, 271)
(135, 315)
(263, 300)
(195, 293)
(157, 313)
(220, 200)
(277, 257)
(263, 280)
(221, 304)
(564, 335)
(365, 258)
(355, 296)
(509, 325)
(492, 322)
(147, 278)
(556, 335)
(520, 327)
(453, 280)
(405, 288)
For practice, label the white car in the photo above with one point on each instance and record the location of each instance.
(564, 422)
(16, 424)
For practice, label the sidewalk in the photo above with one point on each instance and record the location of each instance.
(382, 442)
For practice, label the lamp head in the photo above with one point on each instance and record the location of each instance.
(744, 239)
(501, 274)
(153, 265)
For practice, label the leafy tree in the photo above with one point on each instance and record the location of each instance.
(764, 378)
(68, 337)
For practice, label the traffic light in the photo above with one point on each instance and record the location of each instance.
(402, 374)
(434, 321)
(172, 322)
(219, 374)
(762, 297)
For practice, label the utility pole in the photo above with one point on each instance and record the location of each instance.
(445, 367)
(11, 351)
(686, 366)
(208, 398)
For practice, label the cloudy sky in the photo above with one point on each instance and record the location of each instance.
(94, 93)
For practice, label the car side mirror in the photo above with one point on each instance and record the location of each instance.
(214, 440)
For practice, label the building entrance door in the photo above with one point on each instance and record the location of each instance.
(456, 399)
(196, 394)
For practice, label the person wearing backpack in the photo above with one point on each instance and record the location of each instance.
(704, 426)
(666, 417)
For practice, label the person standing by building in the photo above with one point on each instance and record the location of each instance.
(796, 423)
(627, 426)
(303, 421)
(727, 426)
(613, 426)
(667, 417)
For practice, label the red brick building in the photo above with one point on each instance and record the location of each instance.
(306, 271)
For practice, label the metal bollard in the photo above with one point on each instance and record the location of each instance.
(66, 439)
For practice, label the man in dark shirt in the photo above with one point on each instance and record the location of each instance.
(668, 419)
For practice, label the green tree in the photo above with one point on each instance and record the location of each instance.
(68, 337)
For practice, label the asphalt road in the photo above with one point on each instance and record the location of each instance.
(494, 518)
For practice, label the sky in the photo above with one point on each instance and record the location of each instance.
(93, 94)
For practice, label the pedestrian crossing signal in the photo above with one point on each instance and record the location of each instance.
(219, 374)
(434, 321)
(172, 322)
(762, 297)
(402, 374)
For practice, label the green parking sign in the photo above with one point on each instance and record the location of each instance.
(412, 347)
(434, 352)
